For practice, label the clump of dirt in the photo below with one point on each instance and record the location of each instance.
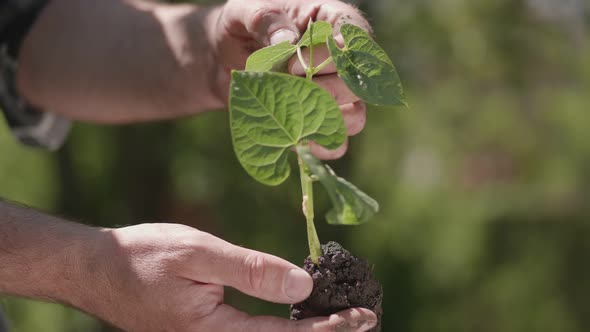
(340, 281)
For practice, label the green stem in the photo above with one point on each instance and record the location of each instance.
(310, 70)
(315, 249)
(302, 60)
(322, 65)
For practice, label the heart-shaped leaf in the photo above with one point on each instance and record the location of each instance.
(365, 68)
(351, 205)
(271, 113)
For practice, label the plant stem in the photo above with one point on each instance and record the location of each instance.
(315, 249)
(302, 60)
(322, 65)
(310, 70)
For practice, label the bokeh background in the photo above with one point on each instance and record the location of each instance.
(484, 182)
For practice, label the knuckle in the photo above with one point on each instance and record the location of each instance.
(339, 13)
(196, 241)
(206, 301)
(260, 15)
(256, 266)
(184, 316)
(361, 108)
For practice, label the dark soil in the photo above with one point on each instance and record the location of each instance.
(341, 281)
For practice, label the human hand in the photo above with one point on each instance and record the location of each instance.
(167, 277)
(243, 27)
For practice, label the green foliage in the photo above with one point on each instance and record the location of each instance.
(351, 205)
(271, 58)
(271, 113)
(366, 69)
(483, 224)
(316, 34)
(276, 57)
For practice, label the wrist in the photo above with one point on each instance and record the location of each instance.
(207, 34)
(218, 72)
(87, 284)
(43, 257)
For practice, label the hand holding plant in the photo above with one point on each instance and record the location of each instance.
(166, 277)
(239, 28)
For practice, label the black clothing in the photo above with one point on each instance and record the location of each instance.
(29, 124)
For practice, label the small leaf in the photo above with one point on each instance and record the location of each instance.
(351, 205)
(276, 57)
(272, 112)
(321, 31)
(366, 69)
(272, 58)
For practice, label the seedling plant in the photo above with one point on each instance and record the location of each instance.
(272, 113)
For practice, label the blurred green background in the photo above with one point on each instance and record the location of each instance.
(484, 182)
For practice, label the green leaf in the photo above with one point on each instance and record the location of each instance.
(366, 69)
(321, 31)
(351, 205)
(276, 57)
(272, 58)
(272, 112)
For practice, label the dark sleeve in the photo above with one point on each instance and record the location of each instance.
(3, 323)
(29, 124)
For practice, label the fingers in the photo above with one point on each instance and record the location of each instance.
(338, 13)
(226, 318)
(254, 273)
(325, 154)
(337, 88)
(266, 21)
(272, 22)
(355, 117)
(326, 78)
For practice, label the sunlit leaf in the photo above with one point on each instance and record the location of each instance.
(272, 112)
(276, 57)
(321, 31)
(365, 68)
(272, 58)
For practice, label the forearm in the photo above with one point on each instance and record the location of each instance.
(119, 60)
(43, 257)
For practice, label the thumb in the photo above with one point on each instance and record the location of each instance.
(265, 21)
(254, 273)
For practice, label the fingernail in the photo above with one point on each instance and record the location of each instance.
(298, 284)
(283, 35)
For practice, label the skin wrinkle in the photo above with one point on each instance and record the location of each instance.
(261, 21)
(256, 269)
